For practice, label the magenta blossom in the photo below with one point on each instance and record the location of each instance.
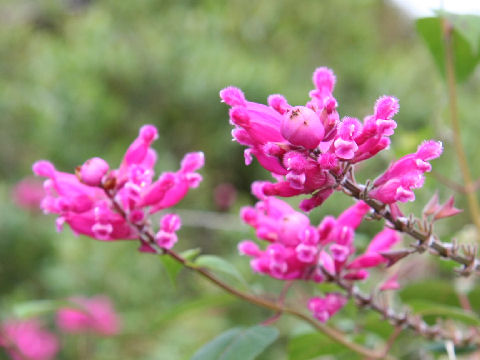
(323, 308)
(27, 340)
(89, 200)
(305, 146)
(94, 314)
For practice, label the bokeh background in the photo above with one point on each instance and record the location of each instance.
(79, 77)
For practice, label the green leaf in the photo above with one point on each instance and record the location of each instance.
(238, 344)
(468, 26)
(311, 345)
(217, 263)
(173, 267)
(430, 309)
(465, 56)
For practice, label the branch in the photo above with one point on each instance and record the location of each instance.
(404, 320)
(426, 239)
(145, 235)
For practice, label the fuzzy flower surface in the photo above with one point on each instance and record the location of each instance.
(81, 199)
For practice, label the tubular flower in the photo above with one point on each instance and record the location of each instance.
(298, 250)
(81, 199)
(89, 315)
(27, 340)
(304, 146)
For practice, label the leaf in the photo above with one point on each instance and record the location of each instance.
(217, 263)
(427, 309)
(465, 56)
(311, 345)
(173, 267)
(468, 26)
(238, 344)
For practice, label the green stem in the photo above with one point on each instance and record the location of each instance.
(457, 139)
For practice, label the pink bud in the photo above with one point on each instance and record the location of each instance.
(44, 168)
(386, 107)
(301, 126)
(391, 283)
(92, 171)
(232, 96)
(148, 133)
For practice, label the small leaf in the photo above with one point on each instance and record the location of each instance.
(238, 344)
(216, 263)
(427, 309)
(468, 26)
(173, 267)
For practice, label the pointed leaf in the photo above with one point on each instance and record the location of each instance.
(173, 267)
(238, 344)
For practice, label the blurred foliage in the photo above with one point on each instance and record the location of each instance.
(79, 77)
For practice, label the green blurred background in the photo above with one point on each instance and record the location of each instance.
(78, 78)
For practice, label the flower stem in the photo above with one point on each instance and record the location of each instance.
(457, 139)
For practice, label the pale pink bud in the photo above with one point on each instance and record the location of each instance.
(279, 103)
(170, 223)
(232, 96)
(165, 239)
(386, 107)
(92, 171)
(301, 126)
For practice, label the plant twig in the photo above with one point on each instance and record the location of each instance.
(405, 319)
(425, 238)
(146, 236)
(457, 139)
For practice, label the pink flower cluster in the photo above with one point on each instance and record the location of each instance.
(302, 146)
(298, 250)
(27, 340)
(95, 315)
(81, 200)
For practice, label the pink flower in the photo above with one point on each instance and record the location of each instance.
(323, 308)
(304, 146)
(82, 201)
(28, 193)
(27, 340)
(94, 314)
(405, 174)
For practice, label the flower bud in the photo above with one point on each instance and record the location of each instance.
(92, 171)
(301, 126)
